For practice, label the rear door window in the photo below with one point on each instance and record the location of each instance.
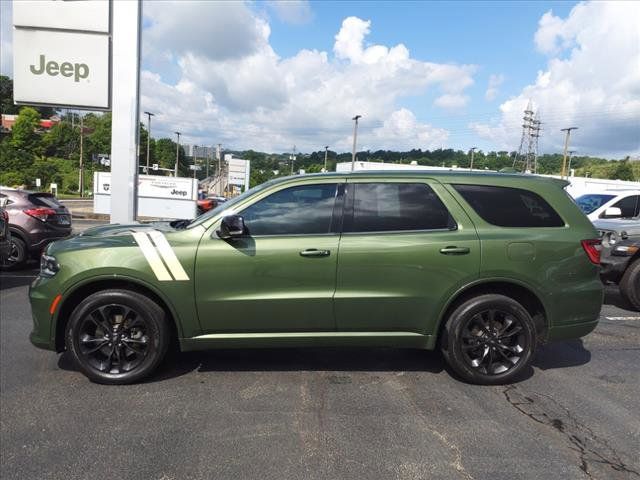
(385, 207)
(44, 200)
(509, 207)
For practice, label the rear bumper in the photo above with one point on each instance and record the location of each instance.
(576, 330)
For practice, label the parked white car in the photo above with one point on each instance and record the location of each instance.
(610, 204)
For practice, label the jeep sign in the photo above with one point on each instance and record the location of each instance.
(61, 68)
(61, 53)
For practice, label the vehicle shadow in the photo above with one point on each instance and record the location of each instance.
(17, 278)
(556, 355)
(568, 353)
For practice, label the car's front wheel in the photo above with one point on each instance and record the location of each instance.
(630, 284)
(489, 339)
(117, 336)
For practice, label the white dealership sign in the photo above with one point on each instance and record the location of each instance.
(158, 196)
(61, 53)
(238, 171)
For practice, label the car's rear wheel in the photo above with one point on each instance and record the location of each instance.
(17, 255)
(489, 339)
(117, 336)
(630, 284)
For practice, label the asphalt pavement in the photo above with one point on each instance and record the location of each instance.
(321, 413)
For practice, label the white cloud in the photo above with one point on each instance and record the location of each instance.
(452, 101)
(296, 12)
(592, 81)
(262, 101)
(492, 89)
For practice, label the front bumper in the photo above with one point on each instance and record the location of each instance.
(40, 296)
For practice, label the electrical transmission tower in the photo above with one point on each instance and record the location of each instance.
(527, 158)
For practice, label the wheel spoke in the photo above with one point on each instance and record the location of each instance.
(128, 345)
(515, 330)
(96, 348)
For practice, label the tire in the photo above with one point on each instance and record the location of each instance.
(630, 284)
(488, 328)
(17, 255)
(136, 341)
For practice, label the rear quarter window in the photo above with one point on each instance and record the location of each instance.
(44, 200)
(509, 207)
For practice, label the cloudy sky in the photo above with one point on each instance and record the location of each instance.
(270, 75)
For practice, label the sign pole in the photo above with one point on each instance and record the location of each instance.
(125, 110)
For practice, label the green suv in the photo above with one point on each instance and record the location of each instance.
(482, 266)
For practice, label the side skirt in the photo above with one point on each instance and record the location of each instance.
(308, 339)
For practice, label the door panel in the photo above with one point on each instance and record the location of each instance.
(263, 284)
(399, 281)
(280, 276)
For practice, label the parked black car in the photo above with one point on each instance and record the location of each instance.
(5, 234)
(35, 219)
(620, 256)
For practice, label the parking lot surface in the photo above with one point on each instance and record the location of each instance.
(321, 413)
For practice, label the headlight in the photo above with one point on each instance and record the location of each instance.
(625, 250)
(48, 266)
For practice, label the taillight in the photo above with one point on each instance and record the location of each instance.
(5, 215)
(592, 249)
(41, 214)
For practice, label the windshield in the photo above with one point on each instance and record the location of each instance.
(592, 201)
(230, 203)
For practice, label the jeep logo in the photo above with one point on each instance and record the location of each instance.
(66, 69)
(179, 192)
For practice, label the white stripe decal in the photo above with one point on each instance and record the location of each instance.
(152, 256)
(168, 255)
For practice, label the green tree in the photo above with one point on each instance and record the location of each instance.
(62, 140)
(623, 171)
(24, 134)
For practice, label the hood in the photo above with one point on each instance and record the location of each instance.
(105, 236)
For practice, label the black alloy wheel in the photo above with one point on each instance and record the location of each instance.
(17, 255)
(493, 341)
(117, 336)
(489, 339)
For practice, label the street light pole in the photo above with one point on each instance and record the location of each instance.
(570, 152)
(566, 148)
(81, 178)
(326, 151)
(149, 115)
(355, 136)
(473, 151)
(175, 173)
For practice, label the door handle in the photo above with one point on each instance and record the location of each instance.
(314, 252)
(454, 250)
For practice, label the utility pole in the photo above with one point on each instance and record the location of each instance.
(175, 173)
(326, 151)
(473, 151)
(81, 177)
(149, 115)
(566, 148)
(293, 158)
(355, 136)
(570, 152)
(207, 155)
(195, 160)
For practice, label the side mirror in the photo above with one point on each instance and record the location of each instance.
(231, 226)
(612, 212)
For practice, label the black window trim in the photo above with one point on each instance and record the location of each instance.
(336, 216)
(493, 225)
(350, 201)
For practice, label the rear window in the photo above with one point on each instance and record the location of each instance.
(44, 200)
(509, 207)
(592, 201)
